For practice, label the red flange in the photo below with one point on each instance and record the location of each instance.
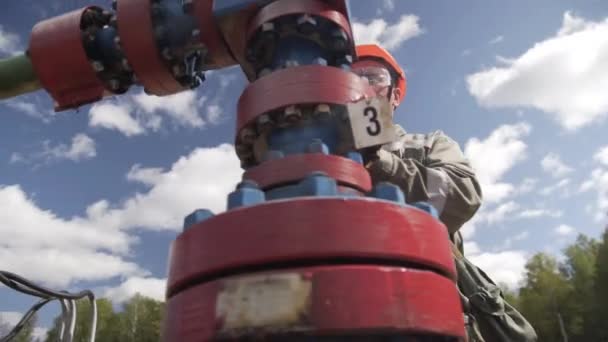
(312, 231)
(309, 84)
(138, 42)
(211, 37)
(344, 301)
(295, 167)
(289, 7)
(61, 63)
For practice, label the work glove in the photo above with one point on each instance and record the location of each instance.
(381, 166)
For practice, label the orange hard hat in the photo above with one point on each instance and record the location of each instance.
(373, 51)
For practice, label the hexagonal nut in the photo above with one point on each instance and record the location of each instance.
(317, 146)
(355, 156)
(388, 192)
(245, 197)
(268, 27)
(247, 135)
(322, 109)
(427, 207)
(274, 155)
(292, 114)
(319, 184)
(320, 61)
(306, 24)
(196, 217)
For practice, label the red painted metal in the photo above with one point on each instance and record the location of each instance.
(289, 7)
(310, 230)
(61, 63)
(309, 84)
(294, 168)
(211, 37)
(342, 301)
(138, 42)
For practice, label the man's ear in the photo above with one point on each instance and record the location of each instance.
(396, 98)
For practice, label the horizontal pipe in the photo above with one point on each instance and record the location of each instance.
(17, 77)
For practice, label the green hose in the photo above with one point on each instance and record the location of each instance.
(17, 77)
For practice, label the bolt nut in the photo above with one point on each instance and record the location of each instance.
(197, 216)
(306, 24)
(292, 114)
(355, 156)
(339, 38)
(322, 110)
(166, 53)
(427, 207)
(317, 146)
(389, 192)
(248, 135)
(114, 84)
(320, 61)
(97, 66)
(268, 27)
(291, 63)
(264, 72)
(274, 155)
(264, 123)
(319, 184)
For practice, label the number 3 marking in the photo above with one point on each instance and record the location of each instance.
(375, 129)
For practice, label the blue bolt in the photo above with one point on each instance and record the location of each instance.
(197, 216)
(355, 156)
(246, 194)
(389, 192)
(428, 207)
(274, 155)
(317, 146)
(319, 184)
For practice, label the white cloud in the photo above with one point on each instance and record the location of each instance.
(497, 40)
(494, 156)
(565, 76)
(526, 186)
(38, 244)
(214, 114)
(561, 185)
(601, 156)
(505, 267)
(564, 230)
(182, 107)
(81, 148)
(471, 248)
(553, 165)
(112, 116)
(10, 43)
(148, 287)
(500, 213)
(598, 182)
(535, 213)
(190, 184)
(466, 52)
(390, 36)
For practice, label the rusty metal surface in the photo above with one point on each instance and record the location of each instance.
(211, 37)
(61, 64)
(289, 7)
(293, 168)
(336, 301)
(309, 84)
(137, 35)
(309, 230)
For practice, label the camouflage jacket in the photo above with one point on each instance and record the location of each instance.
(431, 167)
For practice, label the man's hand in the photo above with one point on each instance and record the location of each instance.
(381, 166)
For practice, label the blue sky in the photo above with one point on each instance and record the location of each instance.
(92, 198)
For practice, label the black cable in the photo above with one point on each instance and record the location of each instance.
(24, 320)
(23, 285)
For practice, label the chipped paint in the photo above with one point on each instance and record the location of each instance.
(267, 302)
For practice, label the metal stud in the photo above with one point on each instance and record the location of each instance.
(97, 66)
(306, 24)
(248, 135)
(292, 114)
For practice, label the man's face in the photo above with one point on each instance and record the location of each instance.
(379, 78)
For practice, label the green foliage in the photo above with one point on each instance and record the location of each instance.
(138, 321)
(564, 299)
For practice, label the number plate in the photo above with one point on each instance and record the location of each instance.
(371, 122)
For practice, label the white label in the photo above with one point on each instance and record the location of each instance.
(371, 122)
(270, 301)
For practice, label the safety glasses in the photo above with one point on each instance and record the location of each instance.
(378, 78)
